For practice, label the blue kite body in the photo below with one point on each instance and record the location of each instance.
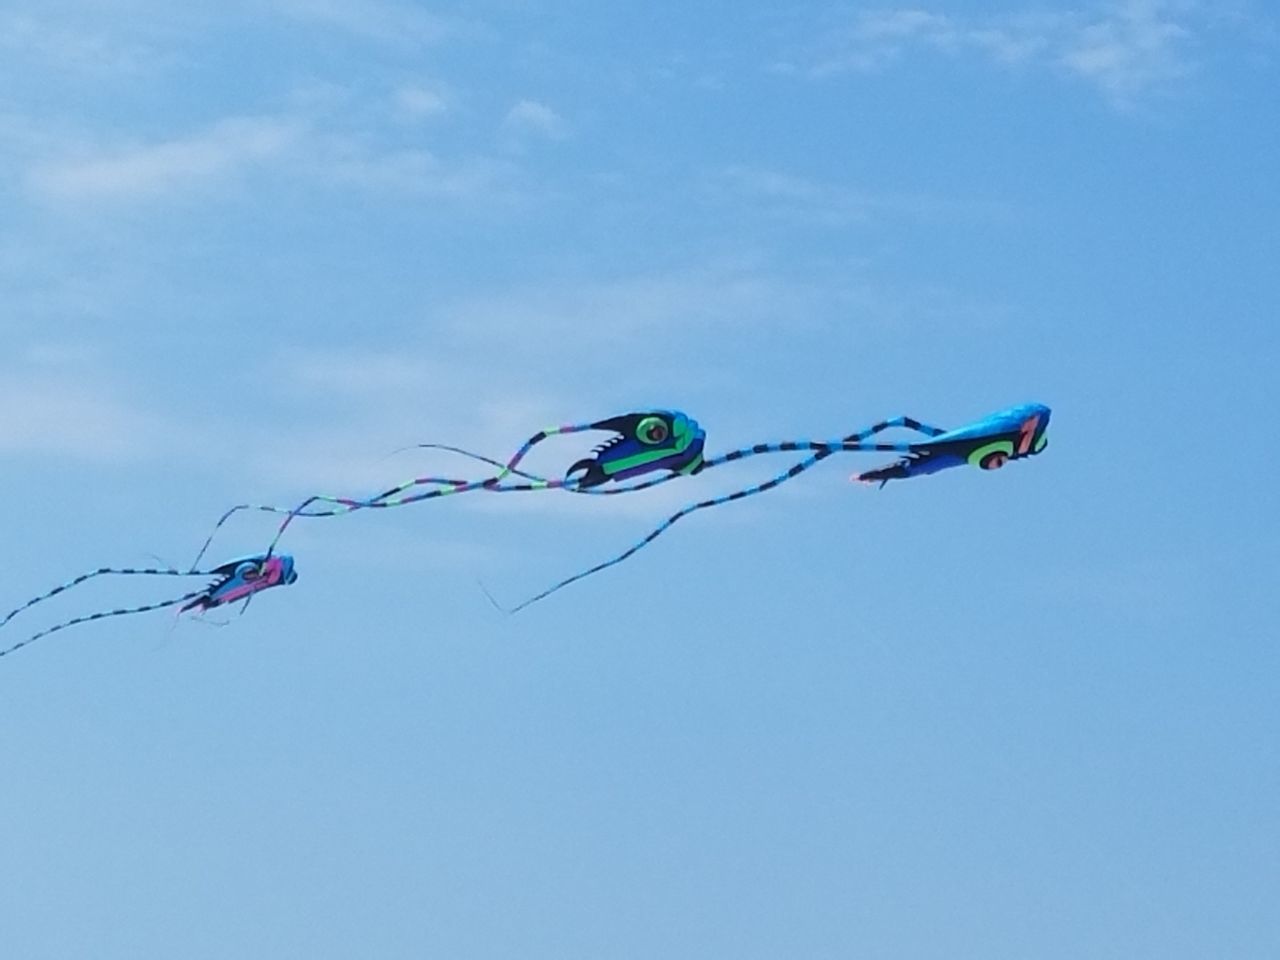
(988, 443)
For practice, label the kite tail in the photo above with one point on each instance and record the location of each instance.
(797, 469)
(820, 451)
(101, 571)
(102, 615)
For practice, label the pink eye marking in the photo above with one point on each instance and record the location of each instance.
(1027, 434)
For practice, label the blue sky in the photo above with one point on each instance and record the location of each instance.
(247, 250)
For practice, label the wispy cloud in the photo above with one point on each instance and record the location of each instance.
(72, 47)
(355, 160)
(875, 39)
(378, 129)
(1126, 50)
(809, 201)
(351, 408)
(221, 150)
(1137, 49)
(314, 145)
(798, 197)
(529, 117)
(416, 102)
(628, 310)
(380, 21)
(52, 413)
(360, 375)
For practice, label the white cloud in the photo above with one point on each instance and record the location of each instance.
(381, 21)
(532, 117)
(364, 404)
(798, 197)
(53, 354)
(57, 415)
(324, 143)
(626, 311)
(1137, 49)
(822, 203)
(222, 149)
(876, 38)
(355, 160)
(1126, 49)
(418, 103)
(356, 374)
(71, 48)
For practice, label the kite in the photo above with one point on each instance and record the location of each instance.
(235, 580)
(989, 444)
(641, 443)
(672, 443)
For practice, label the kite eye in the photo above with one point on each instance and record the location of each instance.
(652, 430)
(992, 456)
(248, 571)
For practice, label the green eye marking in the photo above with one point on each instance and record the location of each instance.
(992, 455)
(1040, 444)
(652, 430)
